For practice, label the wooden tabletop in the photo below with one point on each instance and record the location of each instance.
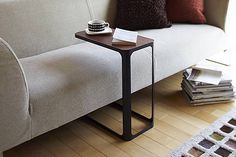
(105, 40)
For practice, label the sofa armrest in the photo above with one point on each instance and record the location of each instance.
(216, 12)
(14, 100)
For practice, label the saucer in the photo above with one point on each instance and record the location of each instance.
(107, 30)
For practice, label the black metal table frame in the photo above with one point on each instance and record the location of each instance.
(126, 97)
(126, 90)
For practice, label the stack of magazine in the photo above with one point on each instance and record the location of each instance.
(203, 84)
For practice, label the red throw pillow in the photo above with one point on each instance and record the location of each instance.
(190, 11)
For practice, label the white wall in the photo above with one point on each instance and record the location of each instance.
(231, 24)
(231, 29)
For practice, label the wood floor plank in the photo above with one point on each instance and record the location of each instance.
(152, 146)
(181, 136)
(173, 111)
(163, 139)
(181, 125)
(55, 146)
(218, 113)
(76, 144)
(205, 116)
(128, 146)
(96, 141)
(171, 131)
(154, 134)
(29, 149)
(143, 141)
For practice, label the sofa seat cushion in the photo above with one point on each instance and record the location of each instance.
(184, 45)
(68, 83)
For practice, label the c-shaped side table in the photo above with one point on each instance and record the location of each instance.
(125, 52)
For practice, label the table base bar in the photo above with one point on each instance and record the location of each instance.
(127, 134)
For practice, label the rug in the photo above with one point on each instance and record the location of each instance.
(218, 140)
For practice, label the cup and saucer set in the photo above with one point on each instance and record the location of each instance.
(96, 27)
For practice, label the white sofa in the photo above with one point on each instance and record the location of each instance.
(48, 78)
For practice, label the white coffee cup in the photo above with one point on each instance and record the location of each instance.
(97, 25)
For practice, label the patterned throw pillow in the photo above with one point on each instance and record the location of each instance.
(186, 11)
(141, 14)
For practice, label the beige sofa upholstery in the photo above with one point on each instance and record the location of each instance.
(216, 12)
(15, 125)
(51, 78)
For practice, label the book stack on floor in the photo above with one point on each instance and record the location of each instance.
(208, 83)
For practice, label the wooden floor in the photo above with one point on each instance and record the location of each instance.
(175, 122)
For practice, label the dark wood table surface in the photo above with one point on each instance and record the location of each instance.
(105, 40)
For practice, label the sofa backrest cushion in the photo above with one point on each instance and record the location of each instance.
(33, 27)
